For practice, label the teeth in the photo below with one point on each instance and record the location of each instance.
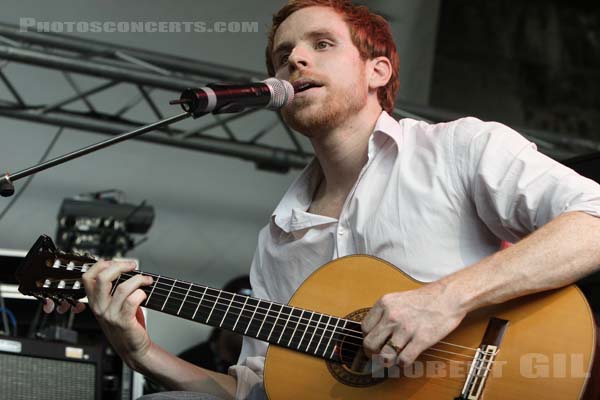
(301, 86)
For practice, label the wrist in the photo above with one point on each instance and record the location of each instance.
(139, 360)
(452, 295)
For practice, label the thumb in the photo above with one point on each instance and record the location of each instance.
(139, 315)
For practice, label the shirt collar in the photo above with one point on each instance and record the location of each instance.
(291, 213)
(388, 126)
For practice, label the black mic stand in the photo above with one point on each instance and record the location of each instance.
(7, 188)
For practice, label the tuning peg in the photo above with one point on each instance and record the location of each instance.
(71, 301)
(57, 299)
(39, 297)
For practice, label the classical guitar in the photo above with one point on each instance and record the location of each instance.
(537, 347)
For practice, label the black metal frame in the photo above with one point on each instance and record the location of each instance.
(146, 71)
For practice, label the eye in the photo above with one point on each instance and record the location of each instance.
(283, 59)
(322, 44)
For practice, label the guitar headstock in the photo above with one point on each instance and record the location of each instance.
(49, 272)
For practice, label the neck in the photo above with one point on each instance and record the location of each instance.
(342, 152)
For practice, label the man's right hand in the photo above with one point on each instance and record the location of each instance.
(119, 315)
(122, 321)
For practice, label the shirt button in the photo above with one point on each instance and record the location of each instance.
(341, 231)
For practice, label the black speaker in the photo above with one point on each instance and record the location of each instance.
(34, 369)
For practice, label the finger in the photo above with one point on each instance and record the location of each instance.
(89, 278)
(97, 268)
(372, 318)
(104, 283)
(410, 353)
(132, 304)
(118, 305)
(139, 315)
(387, 355)
(374, 341)
(48, 306)
(398, 340)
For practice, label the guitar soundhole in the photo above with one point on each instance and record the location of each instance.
(355, 368)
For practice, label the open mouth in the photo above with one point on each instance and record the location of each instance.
(302, 85)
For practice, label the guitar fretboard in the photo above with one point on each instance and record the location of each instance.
(302, 330)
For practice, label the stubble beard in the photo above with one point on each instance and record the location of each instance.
(310, 118)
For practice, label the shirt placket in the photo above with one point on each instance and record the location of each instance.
(344, 244)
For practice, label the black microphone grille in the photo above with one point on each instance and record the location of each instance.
(282, 93)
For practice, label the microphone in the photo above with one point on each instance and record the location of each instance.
(271, 93)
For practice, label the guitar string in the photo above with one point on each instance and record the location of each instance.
(486, 367)
(165, 287)
(316, 327)
(310, 322)
(229, 302)
(468, 364)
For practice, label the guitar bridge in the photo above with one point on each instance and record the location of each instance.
(483, 361)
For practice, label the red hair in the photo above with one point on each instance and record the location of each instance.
(370, 34)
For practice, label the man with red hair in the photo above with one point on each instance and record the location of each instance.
(435, 200)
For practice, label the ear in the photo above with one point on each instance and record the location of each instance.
(380, 72)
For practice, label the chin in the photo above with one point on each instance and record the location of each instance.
(307, 120)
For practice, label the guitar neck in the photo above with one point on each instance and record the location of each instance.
(297, 329)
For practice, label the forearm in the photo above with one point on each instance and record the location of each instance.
(561, 252)
(178, 374)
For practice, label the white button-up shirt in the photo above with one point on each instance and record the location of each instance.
(431, 199)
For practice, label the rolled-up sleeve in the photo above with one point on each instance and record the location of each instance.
(515, 188)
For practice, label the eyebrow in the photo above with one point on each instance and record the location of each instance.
(311, 35)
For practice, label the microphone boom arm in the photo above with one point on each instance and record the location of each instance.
(6, 182)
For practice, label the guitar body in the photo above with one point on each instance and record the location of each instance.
(546, 351)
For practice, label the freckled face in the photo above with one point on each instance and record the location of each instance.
(314, 43)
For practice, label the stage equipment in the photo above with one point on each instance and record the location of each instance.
(101, 224)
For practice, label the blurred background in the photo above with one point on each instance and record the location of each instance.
(207, 186)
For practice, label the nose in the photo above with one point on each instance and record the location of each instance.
(298, 59)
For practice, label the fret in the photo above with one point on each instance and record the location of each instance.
(264, 319)
(286, 324)
(213, 306)
(184, 298)
(252, 317)
(331, 338)
(323, 334)
(315, 331)
(199, 302)
(227, 310)
(240, 314)
(296, 327)
(248, 323)
(308, 325)
(152, 291)
(275, 323)
(223, 316)
(168, 294)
